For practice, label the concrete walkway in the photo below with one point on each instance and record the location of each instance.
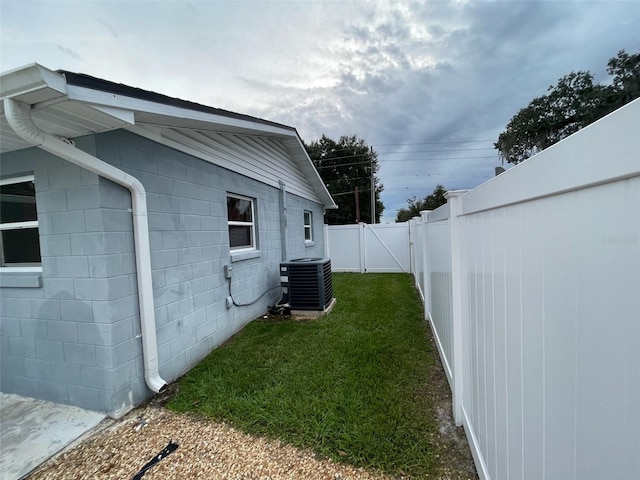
(32, 431)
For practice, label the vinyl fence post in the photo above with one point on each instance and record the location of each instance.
(327, 246)
(362, 245)
(458, 302)
(426, 275)
(413, 238)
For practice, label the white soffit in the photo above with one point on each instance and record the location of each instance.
(159, 114)
(66, 119)
(262, 157)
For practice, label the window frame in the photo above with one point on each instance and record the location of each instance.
(251, 224)
(308, 227)
(23, 225)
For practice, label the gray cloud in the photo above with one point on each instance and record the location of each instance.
(410, 73)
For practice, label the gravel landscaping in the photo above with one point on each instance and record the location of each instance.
(206, 450)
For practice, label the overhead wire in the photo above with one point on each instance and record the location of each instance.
(408, 156)
(398, 152)
(367, 162)
(408, 144)
(432, 143)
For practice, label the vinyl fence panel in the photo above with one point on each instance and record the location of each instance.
(368, 248)
(343, 245)
(533, 295)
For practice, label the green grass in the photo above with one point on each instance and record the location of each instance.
(349, 385)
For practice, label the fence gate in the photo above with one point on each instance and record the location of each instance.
(368, 248)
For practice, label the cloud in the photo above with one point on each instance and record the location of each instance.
(414, 74)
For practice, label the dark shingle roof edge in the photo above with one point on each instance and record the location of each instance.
(94, 83)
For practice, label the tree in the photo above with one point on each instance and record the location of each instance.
(573, 103)
(344, 166)
(430, 202)
(625, 69)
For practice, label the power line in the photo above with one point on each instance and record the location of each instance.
(402, 160)
(418, 175)
(341, 157)
(409, 144)
(431, 159)
(343, 165)
(438, 151)
(349, 179)
(351, 192)
(431, 143)
(400, 152)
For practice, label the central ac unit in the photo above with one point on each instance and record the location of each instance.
(306, 283)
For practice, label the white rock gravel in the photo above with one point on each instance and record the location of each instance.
(207, 450)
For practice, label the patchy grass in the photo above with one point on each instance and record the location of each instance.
(362, 385)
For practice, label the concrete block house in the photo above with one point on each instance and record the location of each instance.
(139, 232)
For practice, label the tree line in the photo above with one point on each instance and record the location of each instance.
(347, 167)
(574, 102)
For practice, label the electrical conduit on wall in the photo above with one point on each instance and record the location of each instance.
(18, 115)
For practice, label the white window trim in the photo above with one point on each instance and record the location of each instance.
(251, 224)
(27, 268)
(10, 180)
(310, 226)
(21, 269)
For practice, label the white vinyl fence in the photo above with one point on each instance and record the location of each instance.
(368, 248)
(531, 283)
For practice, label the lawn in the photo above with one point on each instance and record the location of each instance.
(361, 385)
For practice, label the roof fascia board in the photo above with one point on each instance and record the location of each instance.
(125, 115)
(108, 99)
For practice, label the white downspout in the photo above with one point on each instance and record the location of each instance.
(19, 117)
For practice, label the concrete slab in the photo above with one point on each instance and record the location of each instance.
(32, 431)
(315, 313)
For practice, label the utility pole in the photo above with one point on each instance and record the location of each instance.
(373, 191)
(357, 206)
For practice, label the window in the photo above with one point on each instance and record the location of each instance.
(240, 214)
(19, 239)
(308, 226)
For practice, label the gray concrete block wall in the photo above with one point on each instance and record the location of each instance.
(190, 247)
(75, 339)
(84, 306)
(296, 245)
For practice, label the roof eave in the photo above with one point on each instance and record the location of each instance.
(316, 179)
(34, 84)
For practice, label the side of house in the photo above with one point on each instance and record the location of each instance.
(70, 323)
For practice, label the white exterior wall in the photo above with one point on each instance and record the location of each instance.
(542, 337)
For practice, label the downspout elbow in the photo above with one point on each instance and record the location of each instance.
(19, 118)
(155, 383)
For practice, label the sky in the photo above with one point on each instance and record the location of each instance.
(429, 84)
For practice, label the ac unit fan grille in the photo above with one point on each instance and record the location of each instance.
(309, 284)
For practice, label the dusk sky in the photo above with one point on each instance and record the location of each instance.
(429, 84)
